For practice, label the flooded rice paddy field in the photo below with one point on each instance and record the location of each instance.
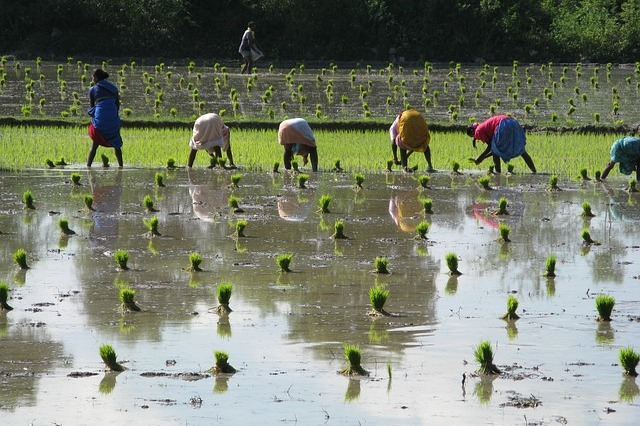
(286, 333)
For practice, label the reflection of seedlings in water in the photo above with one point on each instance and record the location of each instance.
(127, 296)
(222, 364)
(224, 327)
(240, 225)
(633, 185)
(159, 179)
(147, 202)
(151, 247)
(4, 296)
(171, 163)
(502, 207)
(377, 334)
(353, 355)
(389, 165)
(427, 204)
(235, 179)
(283, 261)
(423, 180)
(483, 390)
(452, 263)
(336, 166)
(628, 389)
(121, 257)
(322, 224)
(324, 203)
(586, 210)
(75, 178)
(553, 184)
(152, 225)
(233, 203)
(276, 166)
(380, 264)
(378, 296)
(358, 178)
(604, 306)
(604, 333)
(221, 384)
(504, 230)
(452, 285)
(584, 174)
(483, 354)
(27, 199)
(108, 355)
(551, 287)
(512, 306)
(512, 330)
(455, 167)
(105, 160)
(224, 295)
(586, 238)
(510, 168)
(629, 361)
(63, 224)
(302, 180)
(20, 277)
(294, 166)
(338, 228)
(20, 257)
(108, 382)
(195, 259)
(353, 391)
(49, 163)
(88, 202)
(485, 181)
(422, 228)
(598, 174)
(550, 267)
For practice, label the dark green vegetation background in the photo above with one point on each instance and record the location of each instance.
(307, 30)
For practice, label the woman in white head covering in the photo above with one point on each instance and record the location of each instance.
(212, 135)
(297, 138)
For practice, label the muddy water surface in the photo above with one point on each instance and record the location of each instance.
(286, 333)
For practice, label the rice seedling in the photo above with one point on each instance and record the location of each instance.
(427, 205)
(586, 210)
(452, 263)
(20, 257)
(483, 354)
(354, 358)
(171, 163)
(586, 237)
(127, 296)
(423, 180)
(88, 202)
(378, 296)
(159, 178)
(502, 207)
(512, 306)
(4, 296)
(504, 230)
(195, 259)
(380, 264)
(108, 355)
(49, 163)
(553, 183)
(604, 306)
(63, 224)
(224, 295)
(61, 162)
(389, 165)
(27, 199)
(633, 185)
(358, 179)
(629, 361)
(338, 230)
(75, 178)
(485, 181)
(152, 225)
(295, 166)
(240, 226)
(233, 202)
(598, 174)
(105, 160)
(455, 168)
(422, 228)
(337, 167)
(122, 258)
(584, 174)
(283, 261)
(222, 364)
(550, 267)
(324, 203)
(147, 202)
(302, 180)
(235, 179)
(510, 168)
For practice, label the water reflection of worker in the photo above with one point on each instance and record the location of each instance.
(293, 209)
(297, 138)
(621, 210)
(410, 133)
(625, 151)
(106, 202)
(206, 199)
(405, 210)
(505, 140)
(212, 135)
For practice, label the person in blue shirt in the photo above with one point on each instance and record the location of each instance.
(625, 151)
(104, 129)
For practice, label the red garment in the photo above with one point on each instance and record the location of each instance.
(97, 137)
(485, 130)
